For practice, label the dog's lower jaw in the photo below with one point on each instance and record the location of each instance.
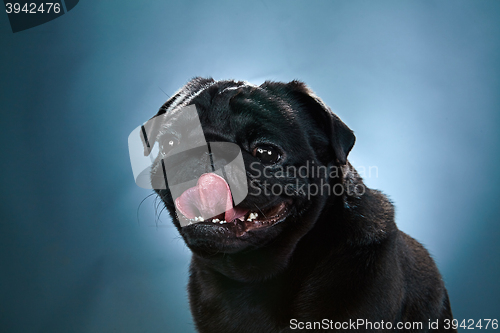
(249, 262)
(259, 263)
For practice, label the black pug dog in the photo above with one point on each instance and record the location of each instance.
(310, 250)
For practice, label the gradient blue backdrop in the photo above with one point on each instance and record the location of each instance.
(418, 82)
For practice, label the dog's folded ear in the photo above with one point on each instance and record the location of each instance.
(341, 137)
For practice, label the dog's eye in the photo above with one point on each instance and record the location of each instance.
(169, 143)
(267, 154)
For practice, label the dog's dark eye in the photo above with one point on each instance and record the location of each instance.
(267, 154)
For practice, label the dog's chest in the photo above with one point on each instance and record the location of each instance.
(228, 307)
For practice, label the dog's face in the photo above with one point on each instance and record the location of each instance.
(279, 129)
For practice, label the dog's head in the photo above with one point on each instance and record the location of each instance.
(288, 145)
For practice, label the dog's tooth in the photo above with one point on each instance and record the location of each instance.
(252, 216)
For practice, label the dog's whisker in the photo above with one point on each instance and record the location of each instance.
(159, 215)
(140, 204)
(260, 211)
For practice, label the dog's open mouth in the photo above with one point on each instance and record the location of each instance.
(247, 222)
(210, 202)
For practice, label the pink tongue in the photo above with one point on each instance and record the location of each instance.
(209, 198)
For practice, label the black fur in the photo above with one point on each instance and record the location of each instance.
(335, 257)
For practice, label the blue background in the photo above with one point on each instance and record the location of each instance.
(418, 82)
